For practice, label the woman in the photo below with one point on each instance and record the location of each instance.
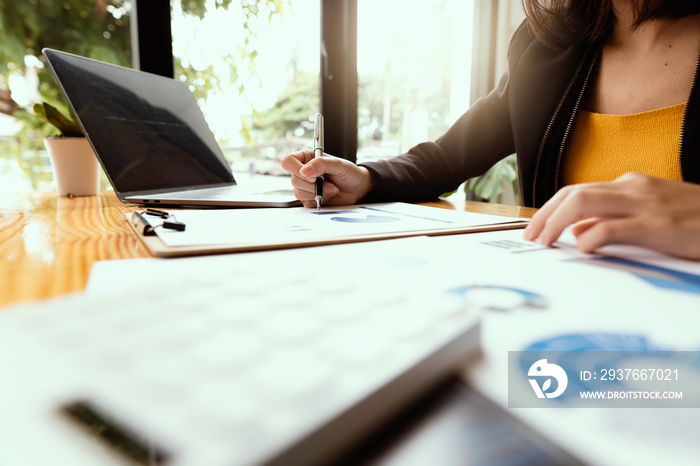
(600, 104)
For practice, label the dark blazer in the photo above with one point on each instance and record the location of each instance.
(529, 113)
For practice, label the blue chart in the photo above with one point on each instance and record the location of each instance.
(660, 277)
(594, 342)
(355, 217)
(367, 219)
(500, 298)
(294, 229)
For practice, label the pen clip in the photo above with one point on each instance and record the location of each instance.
(318, 132)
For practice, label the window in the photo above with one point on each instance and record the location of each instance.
(414, 72)
(254, 69)
(99, 30)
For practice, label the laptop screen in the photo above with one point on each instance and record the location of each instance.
(147, 130)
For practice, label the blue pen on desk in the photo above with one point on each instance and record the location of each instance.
(318, 152)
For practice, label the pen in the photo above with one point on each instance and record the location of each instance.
(318, 152)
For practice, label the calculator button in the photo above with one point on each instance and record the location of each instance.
(294, 376)
(224, 352)
(354, 346)
(291, 327)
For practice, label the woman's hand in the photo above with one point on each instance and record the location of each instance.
(634, 209)
(345, 183)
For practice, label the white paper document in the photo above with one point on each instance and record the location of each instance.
(300, 225)
(624, 298)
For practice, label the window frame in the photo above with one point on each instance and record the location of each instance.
(338, 81)
(151, 38)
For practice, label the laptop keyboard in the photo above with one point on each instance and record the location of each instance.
(231, 362)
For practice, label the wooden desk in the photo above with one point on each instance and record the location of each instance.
(49, 243)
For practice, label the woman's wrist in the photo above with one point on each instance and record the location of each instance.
(368, 184)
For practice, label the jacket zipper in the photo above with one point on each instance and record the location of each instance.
(551, 124)
(571, 119)
(685, 116)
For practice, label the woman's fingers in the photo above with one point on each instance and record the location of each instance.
(327, 165)
(306, 167)
(537, 224)
(583, 201)
(634, 209)
(345, 182)
(629, 230)
(580, 227)
(594, 203)
(306, 191)
(538, 220)
(294, 162)
(677, 237)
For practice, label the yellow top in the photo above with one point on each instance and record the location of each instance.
(602, 147)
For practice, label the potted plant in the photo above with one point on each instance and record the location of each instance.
(75, 166)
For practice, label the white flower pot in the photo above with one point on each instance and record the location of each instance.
(75, 167)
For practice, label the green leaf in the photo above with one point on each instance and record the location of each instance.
(492, 183)
(40, 111)
(63, 124)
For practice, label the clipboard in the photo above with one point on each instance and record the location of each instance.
(153, 237)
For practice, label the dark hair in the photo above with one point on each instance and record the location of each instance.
(560, 23)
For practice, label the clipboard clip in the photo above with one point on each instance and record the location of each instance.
(169, 221)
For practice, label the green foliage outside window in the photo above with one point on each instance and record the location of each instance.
(293, 111)
(98, 29)
(205, 81)
(94, 28)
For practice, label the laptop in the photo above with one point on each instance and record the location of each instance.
(151, 137)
